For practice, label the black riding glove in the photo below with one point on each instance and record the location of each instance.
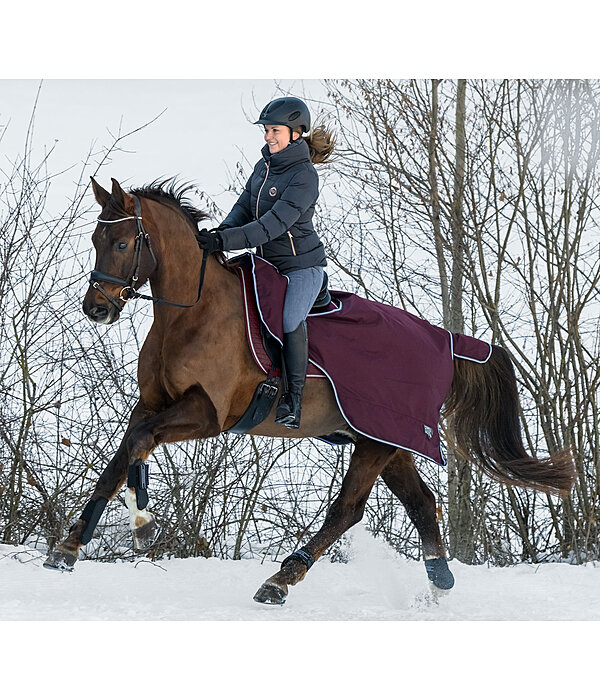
(209, 240)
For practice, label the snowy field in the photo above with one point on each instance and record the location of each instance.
(364, 629)
(375, 585)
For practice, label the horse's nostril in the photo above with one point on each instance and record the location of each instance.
(98, 313)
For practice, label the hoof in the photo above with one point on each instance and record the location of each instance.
(437, 593)
(60, 561)
(270, 594)
(145, 536)
(439, 574)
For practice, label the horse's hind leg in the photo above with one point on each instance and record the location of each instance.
(403, 480)
(368, 460)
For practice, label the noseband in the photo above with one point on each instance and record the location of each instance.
(128, 290)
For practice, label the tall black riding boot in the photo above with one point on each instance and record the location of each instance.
(295, 362)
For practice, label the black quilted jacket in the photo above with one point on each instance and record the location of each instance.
(275, 210)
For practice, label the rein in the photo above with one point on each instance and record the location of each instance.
(128, 290)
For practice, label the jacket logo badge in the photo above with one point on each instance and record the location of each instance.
(273, 191)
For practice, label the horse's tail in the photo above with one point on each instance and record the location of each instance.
(484, 406)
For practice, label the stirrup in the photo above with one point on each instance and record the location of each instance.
(291, 421)
(284, 406)
(288, 412)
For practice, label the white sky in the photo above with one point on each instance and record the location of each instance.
(200, 136)
(120, 64)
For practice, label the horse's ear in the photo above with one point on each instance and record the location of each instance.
(117, 193)
(101, 195)
(121, 198)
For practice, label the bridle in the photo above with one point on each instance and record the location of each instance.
(128, 290)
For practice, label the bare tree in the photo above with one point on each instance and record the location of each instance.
(489, 190)
(471, 203)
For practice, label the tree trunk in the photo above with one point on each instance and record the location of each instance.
(460, 514)
(435, 205)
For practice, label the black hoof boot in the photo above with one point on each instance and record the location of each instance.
(439, 574)
(60, 561)
(270, 594)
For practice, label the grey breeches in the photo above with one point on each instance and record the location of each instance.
(303, 288)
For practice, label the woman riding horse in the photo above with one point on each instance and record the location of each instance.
(274, 213)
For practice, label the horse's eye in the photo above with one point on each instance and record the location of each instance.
(122, 246)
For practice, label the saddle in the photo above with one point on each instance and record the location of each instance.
(265, 347)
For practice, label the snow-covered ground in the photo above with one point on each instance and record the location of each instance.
(368, 630)
(376, 584)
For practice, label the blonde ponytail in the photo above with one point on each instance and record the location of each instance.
(321, 144)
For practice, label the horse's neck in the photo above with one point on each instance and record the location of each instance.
(177, 276)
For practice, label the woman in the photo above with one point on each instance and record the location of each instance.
(274, 213)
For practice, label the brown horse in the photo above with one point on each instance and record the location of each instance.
(196, 378)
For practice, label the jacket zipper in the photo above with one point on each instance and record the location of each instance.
(258, 199)
(261, 188)
(292, 242)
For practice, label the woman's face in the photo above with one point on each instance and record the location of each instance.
(277, 137)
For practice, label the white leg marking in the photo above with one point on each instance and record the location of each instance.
(137, 517)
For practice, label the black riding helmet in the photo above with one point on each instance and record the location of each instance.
(289, 111)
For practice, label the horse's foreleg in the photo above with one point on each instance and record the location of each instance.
(191, 418)
(367, 462)
(64, 556)
(403, 480)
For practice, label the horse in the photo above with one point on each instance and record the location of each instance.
(196, 378)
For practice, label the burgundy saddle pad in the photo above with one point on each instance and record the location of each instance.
(390, 370)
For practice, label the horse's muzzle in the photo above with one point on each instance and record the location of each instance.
(101, 306)
(99, 312)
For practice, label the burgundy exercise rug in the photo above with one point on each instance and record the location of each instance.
(389, 369)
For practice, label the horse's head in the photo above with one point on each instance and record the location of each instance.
(120, 265)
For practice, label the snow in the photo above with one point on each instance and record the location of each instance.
(375, 585)
(185, 627)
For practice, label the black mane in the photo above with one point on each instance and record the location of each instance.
(172, 194)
